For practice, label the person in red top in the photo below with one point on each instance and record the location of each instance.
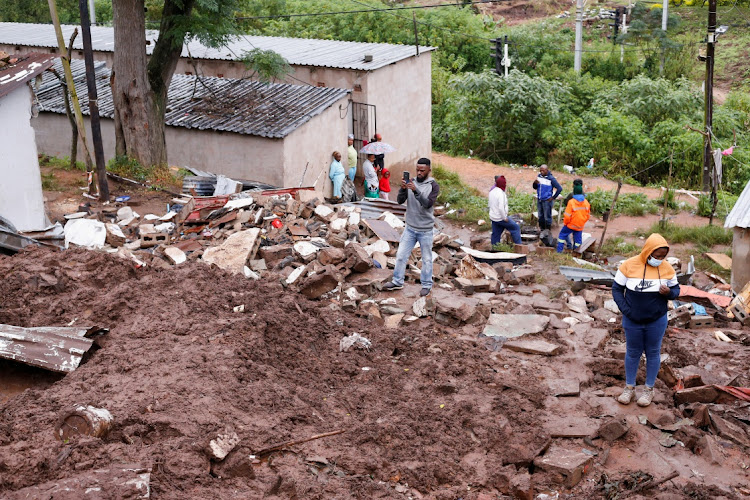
(576, 215)
(385, 183)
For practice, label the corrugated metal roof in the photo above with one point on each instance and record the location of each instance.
(298, 51)
(27, 68)
(241, 106)
(740, 214)
(59, 349)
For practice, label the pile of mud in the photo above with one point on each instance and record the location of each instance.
(423, 412)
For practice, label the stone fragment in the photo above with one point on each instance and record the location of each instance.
(613, 429)
(571, 463)
(564, 387)
(115, 237)
(525, 249)
(392, 322)
(611, 305)
(175, 255)
(370, 282)
(380, 246)
(257, 265)
(324, 213)
(521, 487)
(220, 446)
(331, 256)
(524, 275)
(592, 298)
(306, 250)
(481, 242)
(234, 252)
(702, 394)
(357, 258)
(275, 253)
(514, 325)
(321, 283)
(125, 213)
(369, 310)
(454, 311)
(338, 224)
(295, 275)
(709, 449)
(389, 309)
(557, 323)
(532, 346)
(604, 315)
(382, 260)
(577, 304)
(423, 307)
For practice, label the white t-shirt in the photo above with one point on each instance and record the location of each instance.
(370, 175)
(498, 205)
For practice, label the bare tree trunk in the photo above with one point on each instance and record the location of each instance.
(139, 87)
(139, 132)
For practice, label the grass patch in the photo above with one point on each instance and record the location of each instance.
(617, 245)
(61, 163)
(49, 182)
(702, 236)
(157, 176)
(503, 247)
(724, 205)
(633, 204)
(566, 259)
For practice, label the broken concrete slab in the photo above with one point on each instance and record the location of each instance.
(115, 237)
(578, 304)
(571, 463)
(613, 429)
(175, 255)
(604, 315)
(533, 346)
(514, 325)
(234, 252)
(370, 282)
(571, 427)
(319, 284)
(392, 322)
(331, 255)
(275, 253)
(423, 307)
(524, 275)
(357, 258)
(702, 394)
(456, 310)
(564, 387)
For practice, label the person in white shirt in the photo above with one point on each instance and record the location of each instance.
(371, 178)
(499, 213)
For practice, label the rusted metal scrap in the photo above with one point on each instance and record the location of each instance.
(56, 348)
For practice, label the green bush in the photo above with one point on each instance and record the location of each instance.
(703, 236)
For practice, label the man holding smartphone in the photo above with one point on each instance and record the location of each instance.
(420, 195)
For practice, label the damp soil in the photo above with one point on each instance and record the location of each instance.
(178, 365)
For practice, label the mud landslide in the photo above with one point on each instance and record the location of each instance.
(423, 413)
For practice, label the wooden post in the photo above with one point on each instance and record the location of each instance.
(611, 214)
(65, 59)
(666, 193)
(709, 93)
(96, 130)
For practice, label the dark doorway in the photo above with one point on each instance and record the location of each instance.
(364, 126)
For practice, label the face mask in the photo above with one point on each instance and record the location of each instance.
(654, 262)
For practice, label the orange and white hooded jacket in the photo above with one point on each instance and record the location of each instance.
(636, 286)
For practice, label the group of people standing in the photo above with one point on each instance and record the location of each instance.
(377, 182)
(577, 210)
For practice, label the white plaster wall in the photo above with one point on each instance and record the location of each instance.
(740, 258)
(315, 142)
(21, 198)
(53, 136)
(401, 93)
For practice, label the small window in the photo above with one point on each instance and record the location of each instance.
(321, 84)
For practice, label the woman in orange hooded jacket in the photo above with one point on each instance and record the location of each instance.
(642, 287)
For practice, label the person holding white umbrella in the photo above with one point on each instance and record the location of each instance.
(368, 167)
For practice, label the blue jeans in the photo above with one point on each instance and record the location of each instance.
(562, 239)
(639, 338)
(544, 209)
(499, 226)
(405, 246)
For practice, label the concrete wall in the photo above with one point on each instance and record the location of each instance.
(402, 94)
(740, 258)
(280, 162)
(21, 199)
(315, 143)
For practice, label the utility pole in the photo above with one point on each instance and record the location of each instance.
(664, 17)
(625, 14)
(579, 36)
(96, 130)
(92, 9)
(709, 95)
(506, 59)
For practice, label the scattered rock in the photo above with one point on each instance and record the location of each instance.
(220, 446)
(613, 429)
(514, 325)
(532, 347)
(571, 463)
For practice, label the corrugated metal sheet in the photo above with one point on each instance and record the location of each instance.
(241, 106)
(740, 214)
(298, 51)
(58, 349)
(27, 68)
(372, 208)
(588, 275)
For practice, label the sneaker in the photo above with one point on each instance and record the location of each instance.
(646, 397)
(424, 292)
(391, 286)
(627, 395)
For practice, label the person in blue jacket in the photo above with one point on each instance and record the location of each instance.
(547, 191)
(642, 287)
(336, 174)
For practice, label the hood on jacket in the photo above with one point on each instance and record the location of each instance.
(652, 243)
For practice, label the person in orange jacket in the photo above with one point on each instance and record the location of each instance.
(576, 215)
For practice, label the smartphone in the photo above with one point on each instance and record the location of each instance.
(406, 177)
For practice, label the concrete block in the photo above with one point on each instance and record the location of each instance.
(532, 347)
(234, 252)
(702, 394)
(525, 249)
(175, 255)
(701, 322)
(524, 275)
(613, 429)
(571, 463)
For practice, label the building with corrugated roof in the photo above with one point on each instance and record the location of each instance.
(739, 221)
(390, 84)
(21, 198)
(275, 133)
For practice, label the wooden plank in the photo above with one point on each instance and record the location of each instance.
(725, 261)
(383, 230)
(58, 349)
